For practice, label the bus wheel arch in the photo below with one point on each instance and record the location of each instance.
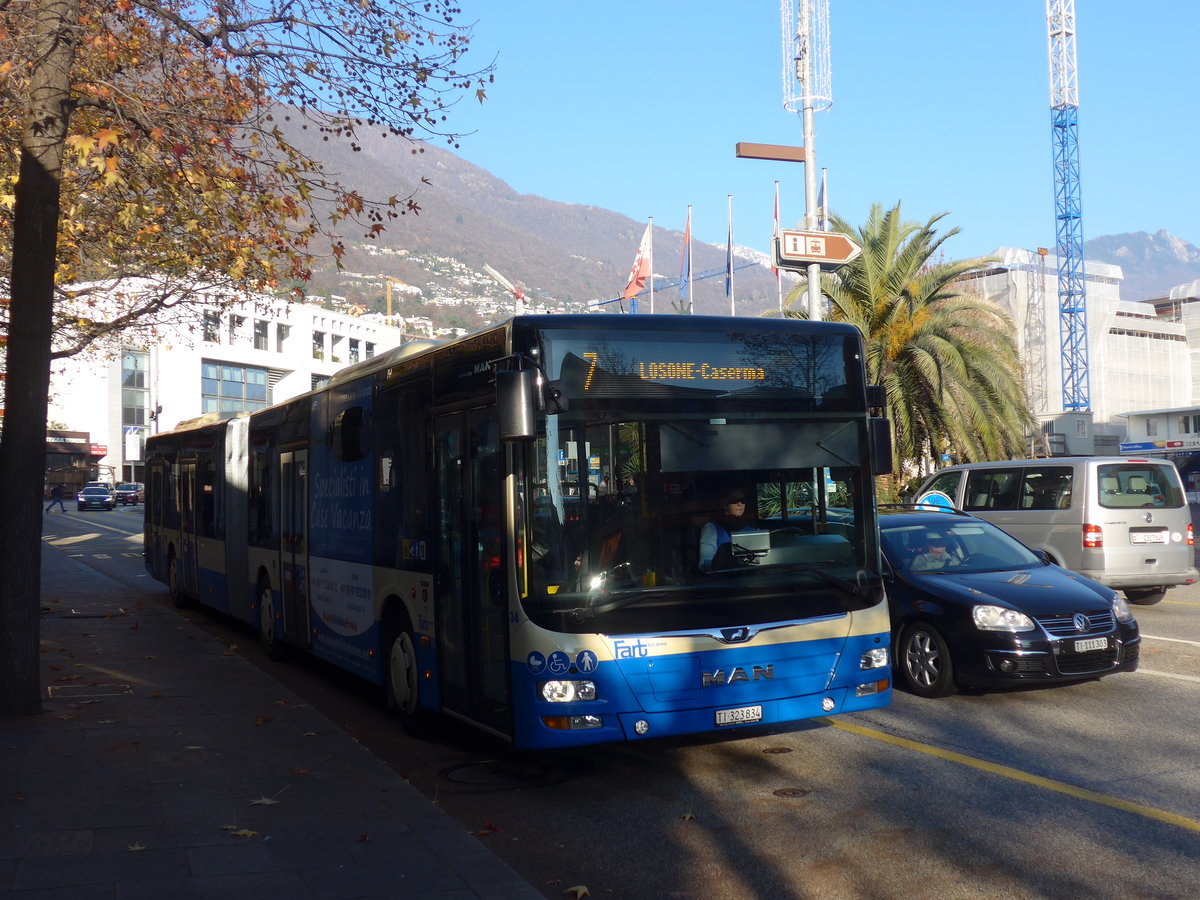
(175, 580)
(268, 618)
(402, 669)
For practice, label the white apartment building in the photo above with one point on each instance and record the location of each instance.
(224, 360)
(1137, 359)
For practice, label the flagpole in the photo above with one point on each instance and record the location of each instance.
(729, 258)
(691, 284)
(650, 276)
(775, 239)
(823, 203)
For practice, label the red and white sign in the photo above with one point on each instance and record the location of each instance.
(828, 248)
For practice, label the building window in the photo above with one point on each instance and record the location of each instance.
(1081, 428)
(318, 348)
(229, 389)
(370, 352)
(235, 328)
(353, 350)
(281, 335)
(212, 326)
(135, 401)
(1151, 427)
(261, 330)
(1183, 425)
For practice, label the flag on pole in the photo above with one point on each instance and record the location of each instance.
(685, 274)
(822, 208)
(729, 258)
(641, 268)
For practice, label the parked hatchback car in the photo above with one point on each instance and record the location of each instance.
(973, 606)
(128, 493)
(95, 498)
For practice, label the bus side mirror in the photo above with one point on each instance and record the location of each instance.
(881, 445)
(515, 400)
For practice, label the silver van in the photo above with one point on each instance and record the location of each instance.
(1123, 522)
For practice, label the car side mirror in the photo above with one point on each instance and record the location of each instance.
(1044, 557)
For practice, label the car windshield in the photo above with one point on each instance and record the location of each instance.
(954, 546)
(95, 490)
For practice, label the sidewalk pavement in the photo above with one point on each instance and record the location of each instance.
(166, 767)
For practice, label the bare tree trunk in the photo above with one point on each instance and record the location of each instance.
(34, 255)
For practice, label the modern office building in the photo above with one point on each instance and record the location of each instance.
(225, 360)
(1137, 358)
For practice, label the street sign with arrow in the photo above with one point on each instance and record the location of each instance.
(800, 249)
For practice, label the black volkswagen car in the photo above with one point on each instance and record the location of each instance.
(972, 606)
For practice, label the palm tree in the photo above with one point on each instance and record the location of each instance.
(948, 360)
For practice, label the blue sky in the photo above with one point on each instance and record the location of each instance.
(941, 104)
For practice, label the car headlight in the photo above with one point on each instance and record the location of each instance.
(1121, 609)
(568, 691)
(1000, 618)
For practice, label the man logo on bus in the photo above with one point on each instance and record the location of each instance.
(737, 673)
(735, 635)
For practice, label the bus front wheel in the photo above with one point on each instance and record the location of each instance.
(268, 622)
(402, 680)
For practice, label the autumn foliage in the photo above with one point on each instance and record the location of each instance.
(177, 162)
(149, 138)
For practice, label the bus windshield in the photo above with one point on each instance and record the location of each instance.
(634, 523)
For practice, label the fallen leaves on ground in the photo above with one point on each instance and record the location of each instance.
(239, 832)
(264, 801)
(488, 828)
(135, 846)
(577, 892)
(261, 720)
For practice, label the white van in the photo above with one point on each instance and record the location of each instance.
(1123, 522)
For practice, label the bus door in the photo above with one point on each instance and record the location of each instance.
(472, 599)
(293, 545)
(189, 557)
(157, 503)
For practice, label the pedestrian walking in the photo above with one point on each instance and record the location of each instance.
(56, 493)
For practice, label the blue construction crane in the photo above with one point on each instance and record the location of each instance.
(1064, 125)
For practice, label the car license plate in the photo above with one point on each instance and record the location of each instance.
(1091, 644)
(739, 716)
(1148, 537)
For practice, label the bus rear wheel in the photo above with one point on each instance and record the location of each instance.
(175, 583)
(402, 677)
(268, 623)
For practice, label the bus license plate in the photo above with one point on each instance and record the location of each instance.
(739, 716)
(1091, 644)
(1148, 537)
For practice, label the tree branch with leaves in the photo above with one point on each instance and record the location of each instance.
(151, 138)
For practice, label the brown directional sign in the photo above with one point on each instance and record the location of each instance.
(800, 249)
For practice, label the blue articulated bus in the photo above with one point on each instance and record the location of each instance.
(506, 528)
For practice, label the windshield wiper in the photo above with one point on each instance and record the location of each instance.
(606, 603)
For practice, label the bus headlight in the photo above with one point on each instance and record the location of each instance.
(568, 691)
(874, 659)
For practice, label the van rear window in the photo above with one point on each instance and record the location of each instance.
(1124, 485)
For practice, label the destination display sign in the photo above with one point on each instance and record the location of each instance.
(623, 364)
